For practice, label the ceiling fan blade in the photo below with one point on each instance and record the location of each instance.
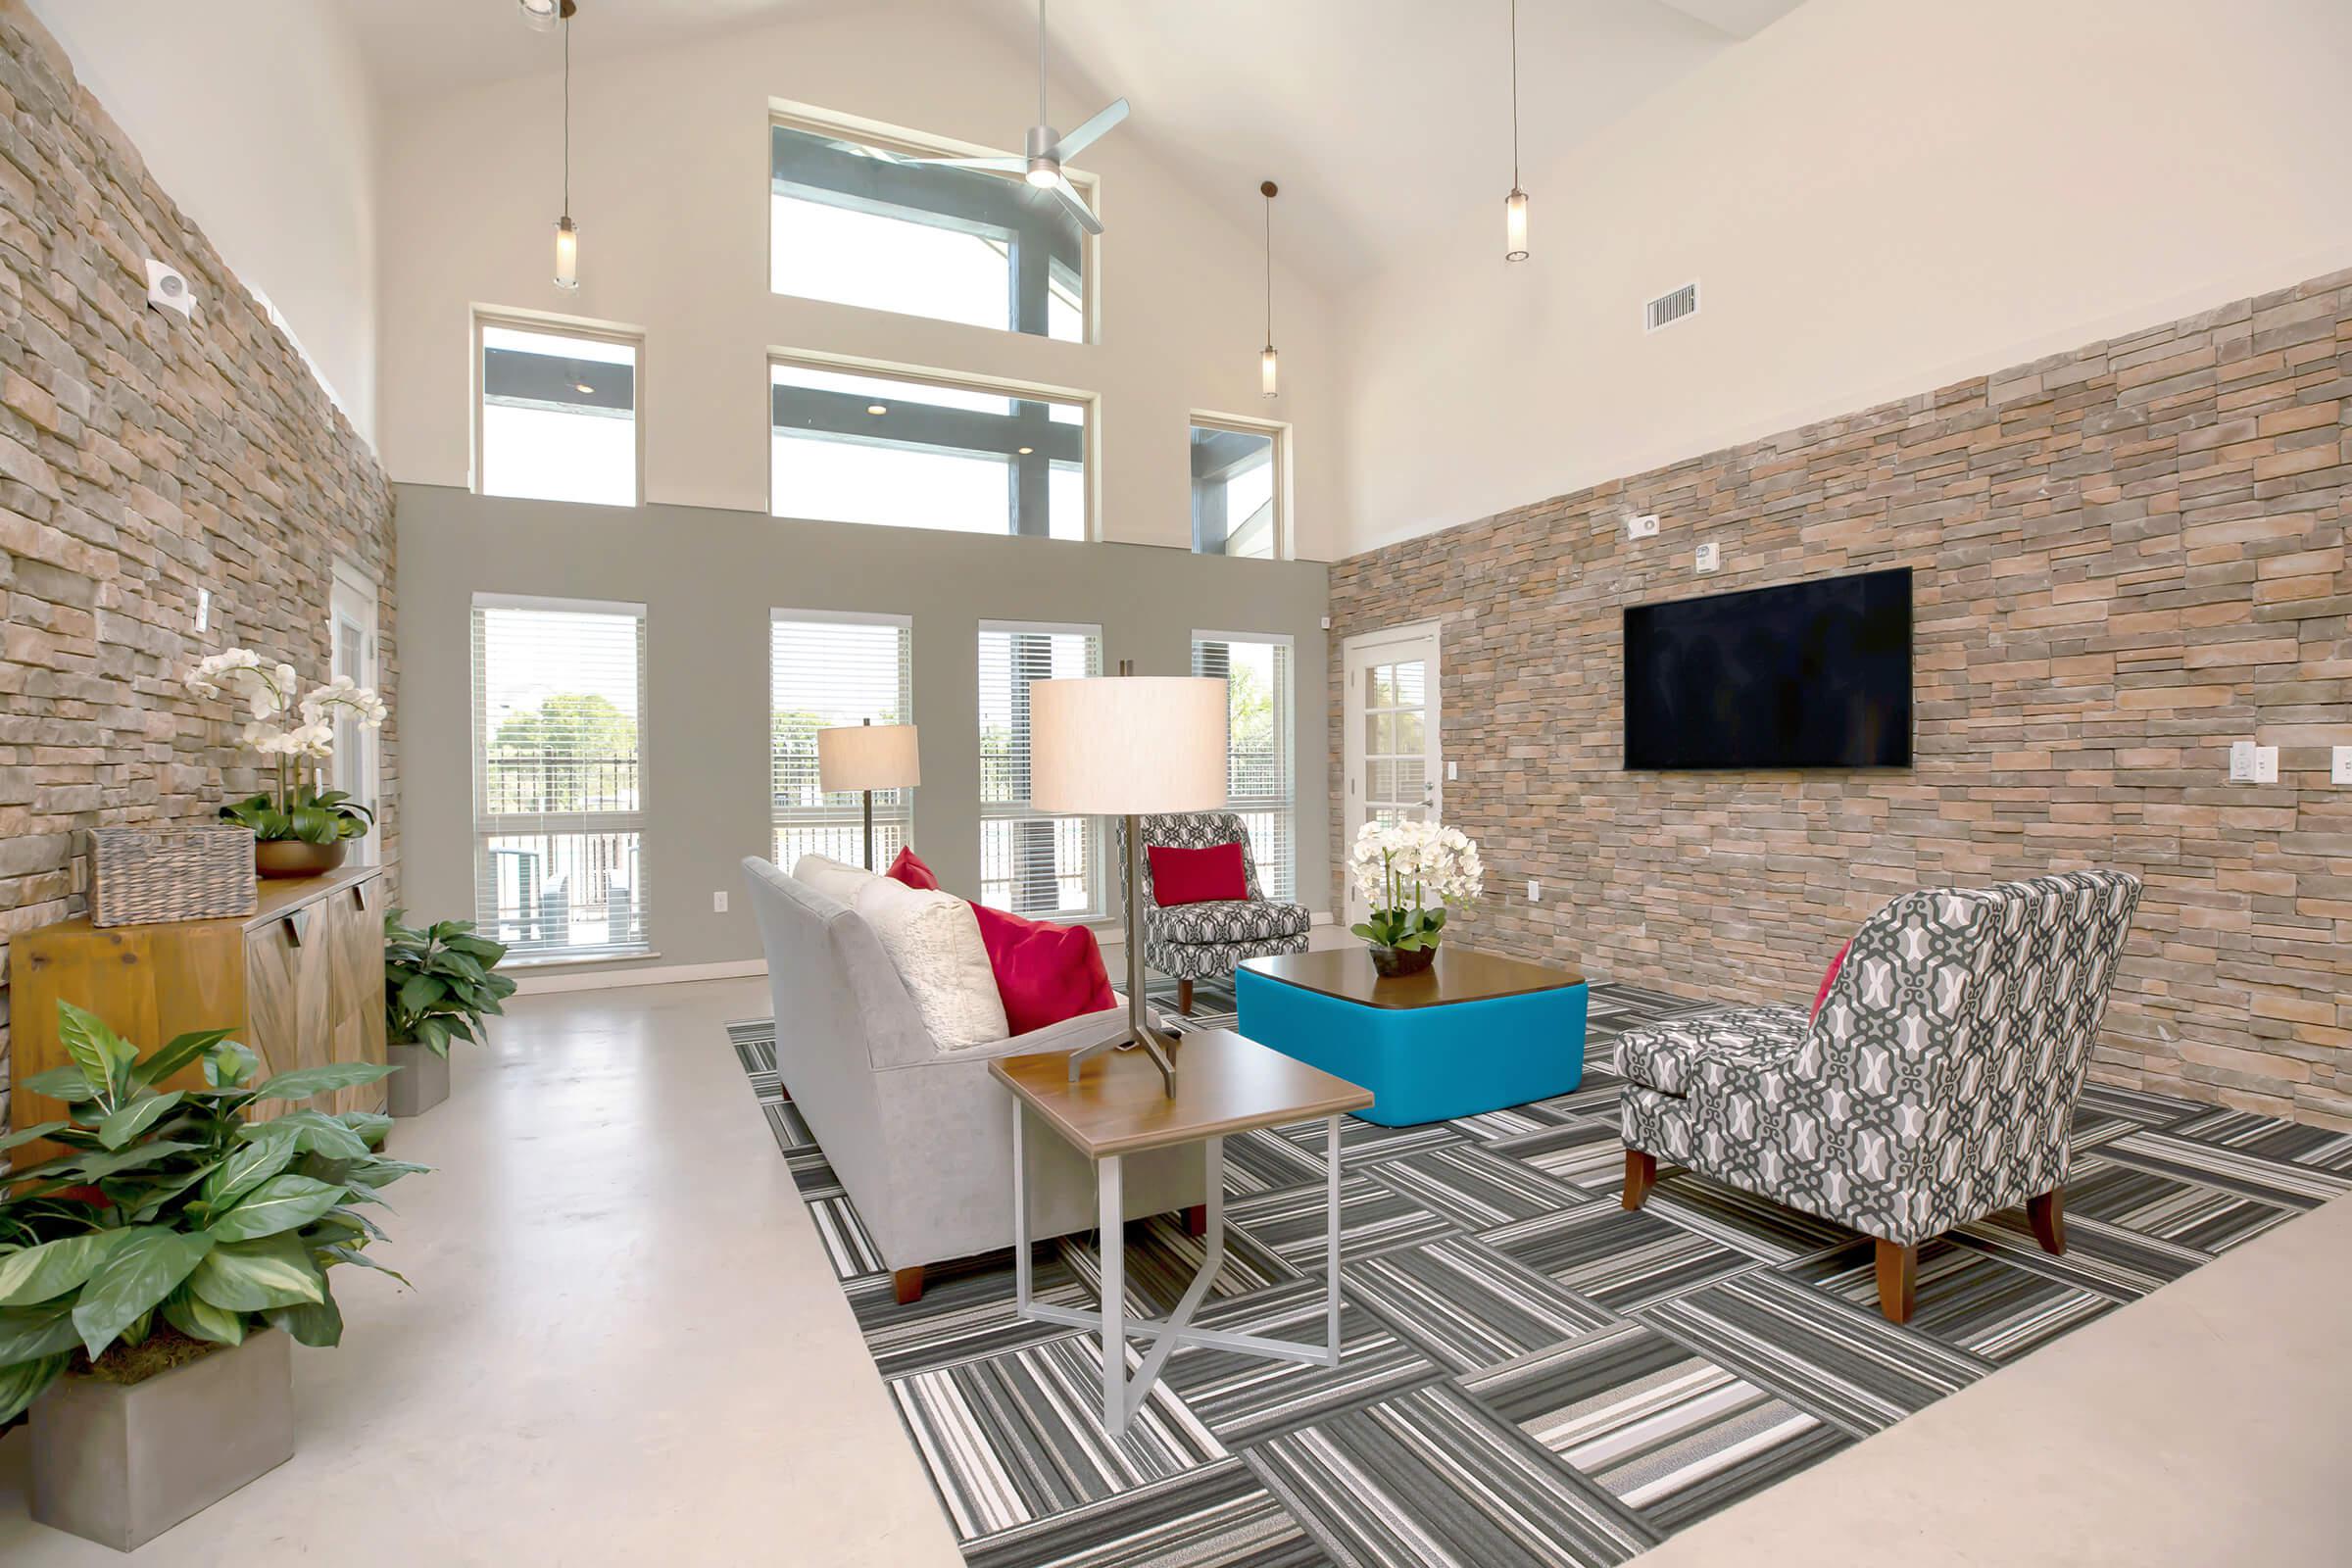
(1088, 134)
(1068, 193)
(1002, 165)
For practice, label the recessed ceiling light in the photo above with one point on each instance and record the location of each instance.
(877, 407)
(1025, 450)
(582, 387)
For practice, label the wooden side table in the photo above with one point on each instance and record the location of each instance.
(1117, 1107)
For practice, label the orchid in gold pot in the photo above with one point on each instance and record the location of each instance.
(1409, 874)
(299, 828)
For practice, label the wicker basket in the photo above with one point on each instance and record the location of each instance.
(140, 875)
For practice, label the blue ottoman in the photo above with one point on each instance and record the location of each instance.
(1475, 1033)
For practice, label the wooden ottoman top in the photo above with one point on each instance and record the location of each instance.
(1460, 975)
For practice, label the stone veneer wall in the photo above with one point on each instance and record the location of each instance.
(141, 456)
(2126, 558)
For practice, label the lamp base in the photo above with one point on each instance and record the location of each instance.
(1138, 1024)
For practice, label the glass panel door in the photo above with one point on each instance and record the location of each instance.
(1390, 735)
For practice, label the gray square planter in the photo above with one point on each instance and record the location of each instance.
(119, 1465)
(421, 1083)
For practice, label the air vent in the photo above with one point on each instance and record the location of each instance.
(1668, 308)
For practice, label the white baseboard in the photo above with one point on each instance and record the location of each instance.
(666, 974)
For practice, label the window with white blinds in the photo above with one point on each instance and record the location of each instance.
(1046, 867)
(825, 670)
(559, 799)
(1262, 775)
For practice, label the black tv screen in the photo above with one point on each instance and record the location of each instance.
(1814, 674)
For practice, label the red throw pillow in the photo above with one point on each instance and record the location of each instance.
(1044, 972)
(909, 868)
(1197, 876)
(1829, 979)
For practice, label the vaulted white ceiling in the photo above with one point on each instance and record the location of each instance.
(1372, 114)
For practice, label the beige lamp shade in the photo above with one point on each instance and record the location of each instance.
(867, 756)
(1127, 745)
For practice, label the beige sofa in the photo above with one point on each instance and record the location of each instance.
(921, 1138)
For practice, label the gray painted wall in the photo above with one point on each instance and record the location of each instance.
(708, 579)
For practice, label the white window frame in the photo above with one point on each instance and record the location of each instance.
(1098, 858)
(1091, 433)
(1279, 433)
(518, 321)
(1282, 888)
(908, 143)
(886, 815)
(507, 825)
(355, 595)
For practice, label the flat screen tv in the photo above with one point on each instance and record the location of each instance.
(1813, 674)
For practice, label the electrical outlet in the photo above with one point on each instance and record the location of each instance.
(1534, 891)
(1644, 526)
(204, 607)
(2266, 765)
(2339, 765)
(2241, 761)
(719, 903)
(1710, 557)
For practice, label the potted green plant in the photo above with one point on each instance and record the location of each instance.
(299, 829)
(152, 1273)
(439, 984)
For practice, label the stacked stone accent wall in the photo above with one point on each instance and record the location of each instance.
(142, 456)
(2125, 559)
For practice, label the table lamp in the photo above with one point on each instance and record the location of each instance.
(867, 756)
(1125, 746)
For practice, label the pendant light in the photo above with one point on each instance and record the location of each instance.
(541, 15)
(1514, 206)
(1269, 363)
(567, 237)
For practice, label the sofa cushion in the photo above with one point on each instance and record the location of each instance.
(934, 942)
(1183, 876)
(1673, 1057)
(1830, 978)
(1044, 972)
(832, 878)
(1228, 920)
(909, 868)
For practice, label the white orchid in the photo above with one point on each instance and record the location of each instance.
(1411, 874)
(290, 732)
(317, 707)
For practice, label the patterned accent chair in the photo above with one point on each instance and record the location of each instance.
(1202, 941)
(1937, 1085)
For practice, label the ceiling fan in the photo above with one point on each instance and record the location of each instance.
(1045, 149)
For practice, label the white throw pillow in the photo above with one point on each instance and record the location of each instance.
(933, 938)
(832, 878)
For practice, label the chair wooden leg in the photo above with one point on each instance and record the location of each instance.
(1184, 997)
(1898, 1280)
(1196, 1220)
(2047, 1215)
(1641, 1170)
(906, 1284)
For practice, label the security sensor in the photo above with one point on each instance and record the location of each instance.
(167, 289)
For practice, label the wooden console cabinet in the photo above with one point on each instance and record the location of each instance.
(300, 982)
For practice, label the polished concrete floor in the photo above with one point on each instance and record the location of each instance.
(626, 1347)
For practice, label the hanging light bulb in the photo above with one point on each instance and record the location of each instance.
(1514, 206)
(567, 254)
(540, 16)
(567, 235)
(1269, 363)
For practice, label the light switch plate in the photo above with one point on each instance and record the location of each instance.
(1645, 526)
(2339, 765)
(1453, 770)
(204, 607)
(2241, 761)
(1710, 557)
(719, 903)
(2266, 765)
(1534, 891)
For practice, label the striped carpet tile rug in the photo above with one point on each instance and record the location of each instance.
(1530, 1375)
